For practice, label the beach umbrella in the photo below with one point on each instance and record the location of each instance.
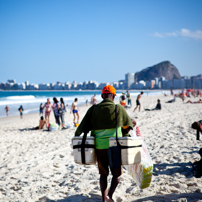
(190, 90)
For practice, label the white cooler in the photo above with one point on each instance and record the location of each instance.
(90, 156)
(129, 155)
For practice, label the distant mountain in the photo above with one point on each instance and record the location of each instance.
(165, 69)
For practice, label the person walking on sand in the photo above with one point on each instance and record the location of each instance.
(94, 100)
(138, 101)
(100, 119)
(48, 107)
(75, 111)
(21, 111)
(128, 98)
(7, 110)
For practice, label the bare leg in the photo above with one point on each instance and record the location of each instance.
(74, 118)
(115, 181)
(77, 117)
(103, 186)
(135, 108)
(46, 117)
(139, 108)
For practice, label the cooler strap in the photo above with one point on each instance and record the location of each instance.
(128, 147)
(83, 146)
(118, 144)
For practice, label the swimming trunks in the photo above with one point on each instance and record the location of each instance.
(103, 163)
(137, 102)
(74, 111)
(123, 103)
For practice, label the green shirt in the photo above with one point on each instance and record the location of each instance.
(100, 119)
(102, 137)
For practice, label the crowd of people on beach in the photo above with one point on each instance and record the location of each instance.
(102, 125)
(59, 109)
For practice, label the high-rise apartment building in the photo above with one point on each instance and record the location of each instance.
(129, 80)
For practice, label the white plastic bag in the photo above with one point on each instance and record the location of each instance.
(142, 172)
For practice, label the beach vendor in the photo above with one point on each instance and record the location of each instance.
(100, 119)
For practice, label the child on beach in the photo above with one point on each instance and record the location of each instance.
(21, 111)
(122, 99)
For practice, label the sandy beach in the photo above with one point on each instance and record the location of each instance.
(39, 165)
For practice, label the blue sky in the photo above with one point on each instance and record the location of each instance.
(45, 41)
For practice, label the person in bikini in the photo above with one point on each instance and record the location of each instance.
(42, 122)
(75, 112)
(48, 107)
(196, 102)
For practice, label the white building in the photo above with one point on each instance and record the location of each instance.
(44, 86)
(129, 80)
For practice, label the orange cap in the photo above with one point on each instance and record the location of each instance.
(109, 89)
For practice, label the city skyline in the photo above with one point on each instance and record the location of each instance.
(97, 40)
(129, 83)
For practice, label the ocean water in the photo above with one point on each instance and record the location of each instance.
(31, 100)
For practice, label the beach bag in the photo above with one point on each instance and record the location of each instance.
(53, 127)
(84, 148)
(60, 110)
(119, 153)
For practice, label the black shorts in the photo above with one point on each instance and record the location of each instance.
(103, 163)
(137, 102)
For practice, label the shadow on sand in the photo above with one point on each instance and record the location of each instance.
(75, 198)
(191, 197)
(172, 168)
(156, 198)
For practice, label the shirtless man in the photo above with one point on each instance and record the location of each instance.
(94, 100)
(138, 102)
(75, 112)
